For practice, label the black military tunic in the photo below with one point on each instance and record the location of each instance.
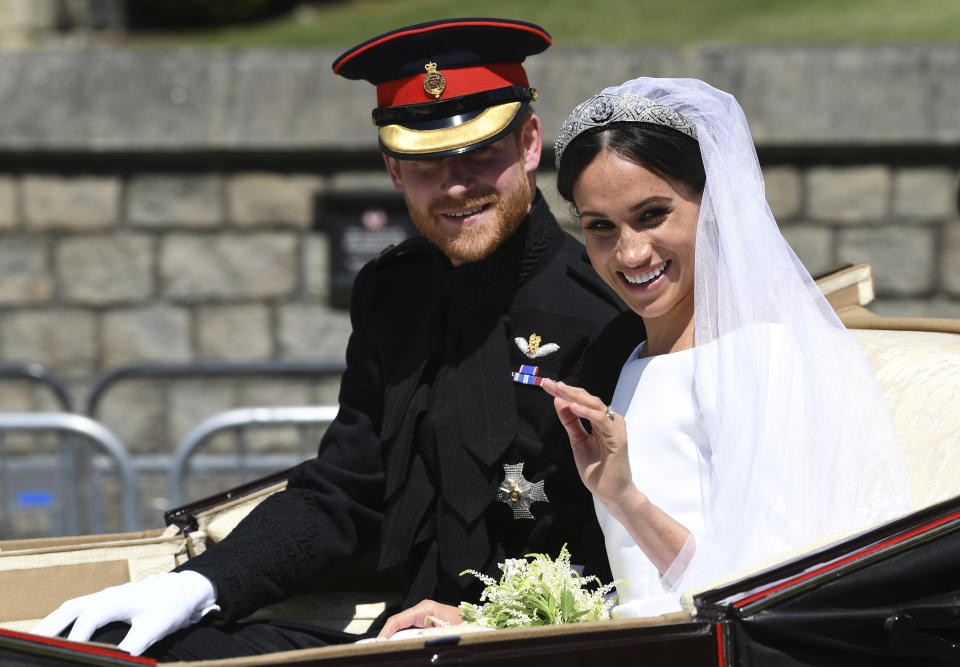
(430, 413)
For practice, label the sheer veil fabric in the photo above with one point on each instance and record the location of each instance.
(802, 446)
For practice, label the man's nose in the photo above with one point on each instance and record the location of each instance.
(459, 175)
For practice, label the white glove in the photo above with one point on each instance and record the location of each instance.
(154, 608)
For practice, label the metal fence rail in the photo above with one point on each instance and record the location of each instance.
(292, 369)
(240, 420)
(70, 424)
(67, 473)
(30, 370)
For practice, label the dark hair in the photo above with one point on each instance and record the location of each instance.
(670, 153)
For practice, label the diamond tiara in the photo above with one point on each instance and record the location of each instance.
(607, 108)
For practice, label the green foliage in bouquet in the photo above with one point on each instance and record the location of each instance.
(541, 591)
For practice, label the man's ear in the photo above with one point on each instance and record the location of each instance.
(531, 142)
(393, 168)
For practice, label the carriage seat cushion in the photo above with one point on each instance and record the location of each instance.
(919, 372)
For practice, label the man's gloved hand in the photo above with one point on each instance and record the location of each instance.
(154, 608)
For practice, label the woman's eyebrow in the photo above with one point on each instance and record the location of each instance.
(640, 204)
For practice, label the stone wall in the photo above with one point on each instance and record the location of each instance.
(158, 205)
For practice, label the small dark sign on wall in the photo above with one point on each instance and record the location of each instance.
(360, 225)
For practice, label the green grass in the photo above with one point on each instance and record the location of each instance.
(610, 22)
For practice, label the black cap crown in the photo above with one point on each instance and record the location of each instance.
(449, 86)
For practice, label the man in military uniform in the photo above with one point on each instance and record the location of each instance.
(445, 455)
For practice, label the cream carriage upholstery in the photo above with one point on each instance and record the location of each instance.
(920, 375)
(917, 362)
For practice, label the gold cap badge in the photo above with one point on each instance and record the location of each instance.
(433, 82)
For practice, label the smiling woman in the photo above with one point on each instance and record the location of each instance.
(749, 423)
(641, 230)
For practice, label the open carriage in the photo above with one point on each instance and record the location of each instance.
(887, 596)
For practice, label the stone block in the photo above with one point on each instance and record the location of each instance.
(813, 244)
(842, 95)
(73, 203)
(26, 276)
(924, 193)
(252, 266)
(102, 270)
(17, 395)
(784, 190)
(950, 259)
(105, 99)
(62, 340)
(9, 218)
(274, 391)
(902, 259)
(327, 391)
(261, 99)
(192, 402)
(36, 14)
(378, 180)
(175, 200)
(271, 199)
(236, 333)
(277, 392)
(136, 411)
(289, 98)
(158, 333)
(316, 266)
(312, 332)
(848, 194)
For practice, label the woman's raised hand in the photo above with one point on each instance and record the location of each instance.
(601, 454)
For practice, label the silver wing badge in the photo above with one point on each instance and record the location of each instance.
(533, 349)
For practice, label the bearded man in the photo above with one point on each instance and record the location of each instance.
(444, 455)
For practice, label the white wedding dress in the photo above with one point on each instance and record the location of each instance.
(667, 448)
(670, 459)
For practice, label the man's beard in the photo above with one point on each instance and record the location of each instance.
(475, 242)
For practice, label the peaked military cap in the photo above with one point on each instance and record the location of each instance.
(446, 87)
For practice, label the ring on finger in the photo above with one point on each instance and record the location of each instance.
(609, 412)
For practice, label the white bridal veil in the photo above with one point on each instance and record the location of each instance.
(802, 446)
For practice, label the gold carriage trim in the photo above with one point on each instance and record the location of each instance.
(405, 141)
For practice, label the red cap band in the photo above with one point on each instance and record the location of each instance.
(459, 81)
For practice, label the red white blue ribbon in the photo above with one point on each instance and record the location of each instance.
(528, 375)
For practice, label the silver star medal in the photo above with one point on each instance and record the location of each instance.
(519, 493)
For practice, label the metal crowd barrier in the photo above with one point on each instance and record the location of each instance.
(30, 370)
(64, 465)
(292, 369)
(240, 420)
(74, 425)
(71, 465)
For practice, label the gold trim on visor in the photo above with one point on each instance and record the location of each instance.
(405, 141)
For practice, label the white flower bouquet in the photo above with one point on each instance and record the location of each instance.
(538, 591)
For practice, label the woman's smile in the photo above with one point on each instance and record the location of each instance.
(647, 280)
